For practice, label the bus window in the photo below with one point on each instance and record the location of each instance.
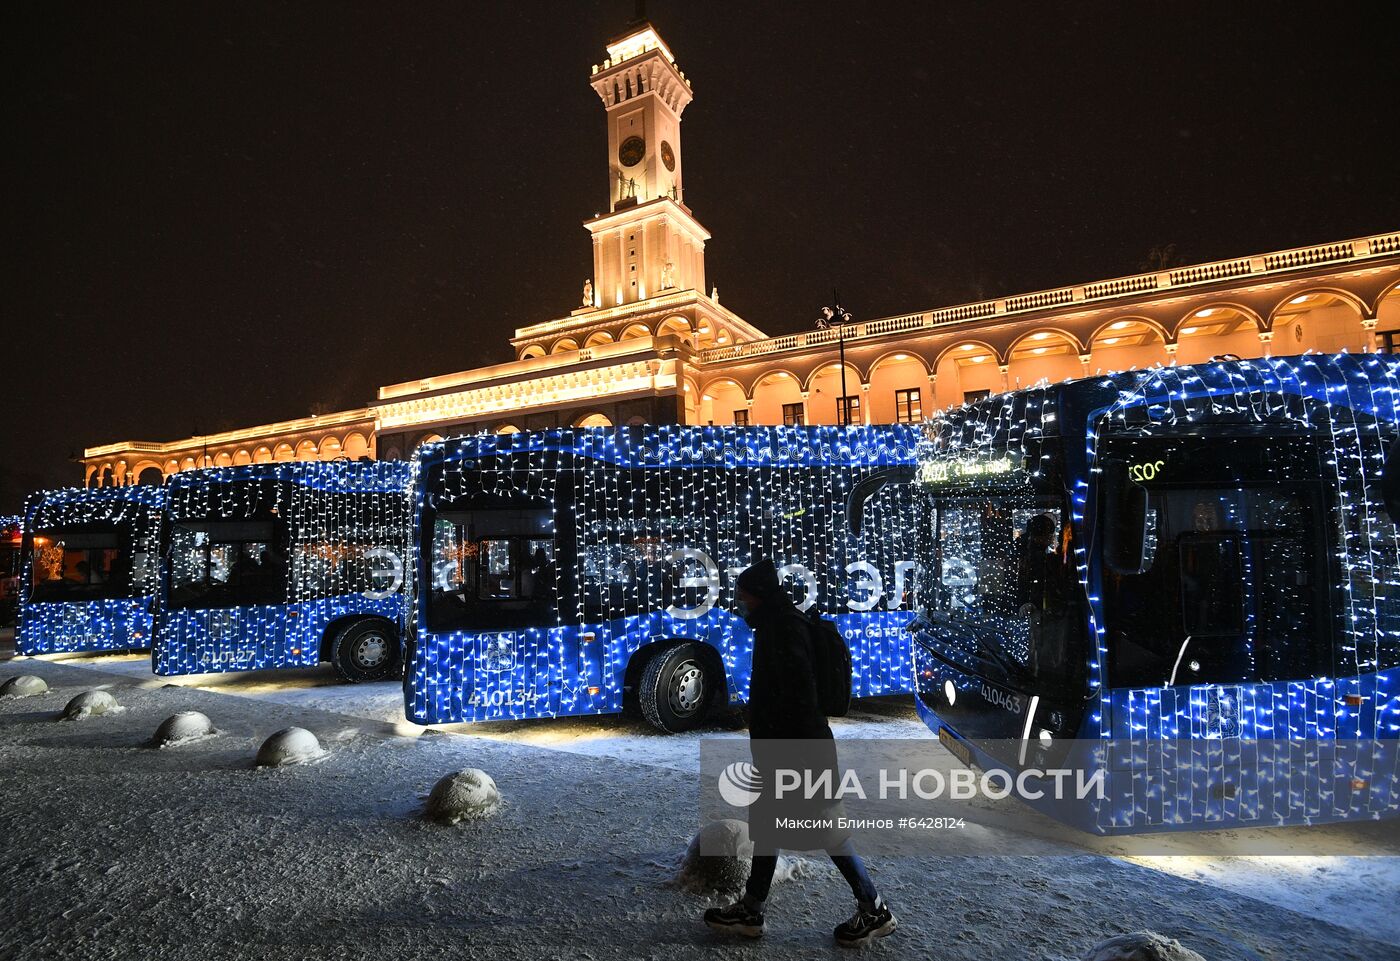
(537, 578)
(491, 569)
(1386, 547)
(498, 570)
(79, 565)
(350, 552)
(328, 569)
(1236, 591)
(215, 564)
(629, 564)
(9, 559)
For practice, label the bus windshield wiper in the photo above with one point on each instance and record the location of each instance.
(1010, 668)
(982, 651)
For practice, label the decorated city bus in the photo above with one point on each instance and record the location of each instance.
(88, 569)
(588, 571)
(11, 551)
(284, 565)
(1185, 578)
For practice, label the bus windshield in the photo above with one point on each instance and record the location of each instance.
(85, 563)
(999, 597)
(1232, 584)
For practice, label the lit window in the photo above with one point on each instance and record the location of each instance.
(848, 410)
(908, 406)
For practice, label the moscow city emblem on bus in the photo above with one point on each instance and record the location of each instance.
(498, 653)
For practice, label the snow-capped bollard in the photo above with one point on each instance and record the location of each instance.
(468, 795)
(182, 728)
(25, 685)
(707, 873)
(292, 745)
(1141, 946)
(90, 704)
(724, 867)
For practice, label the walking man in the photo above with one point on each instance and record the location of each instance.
(783, 706)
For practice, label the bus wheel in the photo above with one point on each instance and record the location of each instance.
(366, 651)
(676, 688)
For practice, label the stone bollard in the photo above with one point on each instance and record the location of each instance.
(468, 795)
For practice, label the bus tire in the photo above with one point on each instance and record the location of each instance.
(367, 650)
(677, 688)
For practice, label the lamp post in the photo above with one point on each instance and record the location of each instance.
(838, 317)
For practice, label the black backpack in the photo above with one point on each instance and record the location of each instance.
(831, 662)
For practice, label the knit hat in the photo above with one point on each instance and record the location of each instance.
(761, 580)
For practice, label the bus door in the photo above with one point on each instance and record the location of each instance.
(1000, 621)
(493, 574)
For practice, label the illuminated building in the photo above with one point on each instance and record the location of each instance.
(648, 341)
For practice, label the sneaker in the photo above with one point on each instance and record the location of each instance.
(738, 917)
(866, 926)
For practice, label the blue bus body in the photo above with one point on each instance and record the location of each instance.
(88, 572)
(267, 565)
(636, 535)
(1238, 663)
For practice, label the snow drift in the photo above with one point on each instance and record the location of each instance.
(468, 795)
(1141, 946)
(182, 728)
(291, 745)
(90, 704)
(25, 685)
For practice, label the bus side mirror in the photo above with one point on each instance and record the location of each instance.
(1124, 517)
(868, 488)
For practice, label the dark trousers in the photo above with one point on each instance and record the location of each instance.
(845, 858)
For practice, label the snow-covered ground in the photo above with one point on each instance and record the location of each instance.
(115, 850)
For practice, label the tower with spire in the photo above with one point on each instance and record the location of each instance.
(648, 241)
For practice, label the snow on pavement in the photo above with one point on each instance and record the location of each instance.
(618, 762)
(622, 738)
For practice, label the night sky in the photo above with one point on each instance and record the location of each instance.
(228, 214)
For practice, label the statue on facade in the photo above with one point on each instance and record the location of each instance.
(626, 187)
(714, 294)
(587, 293)
(668, 276)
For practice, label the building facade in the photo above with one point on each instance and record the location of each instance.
(647, 344)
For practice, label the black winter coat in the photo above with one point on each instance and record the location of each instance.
(783, 686)
(783, 706)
